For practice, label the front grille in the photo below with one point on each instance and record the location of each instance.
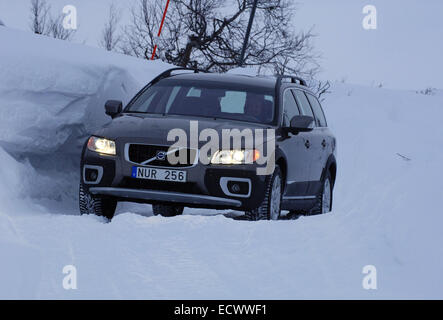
(139, 153)
(183, 187)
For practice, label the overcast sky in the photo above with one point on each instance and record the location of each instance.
(405, 51)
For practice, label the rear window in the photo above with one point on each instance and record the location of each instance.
(207, 99)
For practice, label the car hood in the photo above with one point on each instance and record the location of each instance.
(154, 128)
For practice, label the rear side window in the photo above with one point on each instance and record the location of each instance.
(290, 108)
(303, 103)
(318, 111)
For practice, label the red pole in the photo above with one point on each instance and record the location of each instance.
(160, 29)
(153, 52)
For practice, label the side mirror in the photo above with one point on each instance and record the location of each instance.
(113, 108)
(300, 124)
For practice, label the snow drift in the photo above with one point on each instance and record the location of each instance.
(52, 98)
(386, 207)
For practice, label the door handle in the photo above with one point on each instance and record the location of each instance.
(323, 143)
(307, 144)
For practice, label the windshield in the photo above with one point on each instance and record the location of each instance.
(206, 99)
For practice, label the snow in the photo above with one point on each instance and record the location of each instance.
(53, 97)
(385, 207)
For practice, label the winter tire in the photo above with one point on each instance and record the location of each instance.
(90, 204)
(270, 207)
(324, 199)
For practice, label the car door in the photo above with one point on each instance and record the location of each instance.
(322, 131)
(297, 155)
(313, 142)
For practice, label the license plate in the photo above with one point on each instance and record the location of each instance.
(159, 174)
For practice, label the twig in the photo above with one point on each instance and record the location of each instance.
(403, 157)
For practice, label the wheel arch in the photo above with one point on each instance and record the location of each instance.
(280, 160)
(331, 167)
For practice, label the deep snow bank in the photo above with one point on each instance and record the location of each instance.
(52, 95)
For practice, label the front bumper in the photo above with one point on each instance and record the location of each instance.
(165, 196)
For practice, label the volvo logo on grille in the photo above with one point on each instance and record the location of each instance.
(161, 155)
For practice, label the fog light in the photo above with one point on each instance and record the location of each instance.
(94, 175)
(236, 188)
(91, 175)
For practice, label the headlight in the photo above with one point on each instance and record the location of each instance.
(235, 156)
(101, 145)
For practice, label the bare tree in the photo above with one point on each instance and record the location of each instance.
(42, 22)
(209, 34)
(39, 16)
(58, 31)
(320, 88)
(428, 91)
(110, 39)
(140, 34)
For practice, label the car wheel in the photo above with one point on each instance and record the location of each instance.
(324, 199)
(270, 208)
(167, 210)
(90, 204)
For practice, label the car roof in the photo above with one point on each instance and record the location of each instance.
(230, 78)
(267, 82)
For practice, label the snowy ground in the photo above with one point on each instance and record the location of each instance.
(386, 207)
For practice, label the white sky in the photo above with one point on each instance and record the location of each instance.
(405, 51)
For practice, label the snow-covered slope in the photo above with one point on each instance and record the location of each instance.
(386, 207)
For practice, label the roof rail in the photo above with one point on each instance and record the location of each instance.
(168, 73)
(294, 79)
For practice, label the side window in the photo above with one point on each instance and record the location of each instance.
(318, 111)
(290, 108)
(303, 103)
